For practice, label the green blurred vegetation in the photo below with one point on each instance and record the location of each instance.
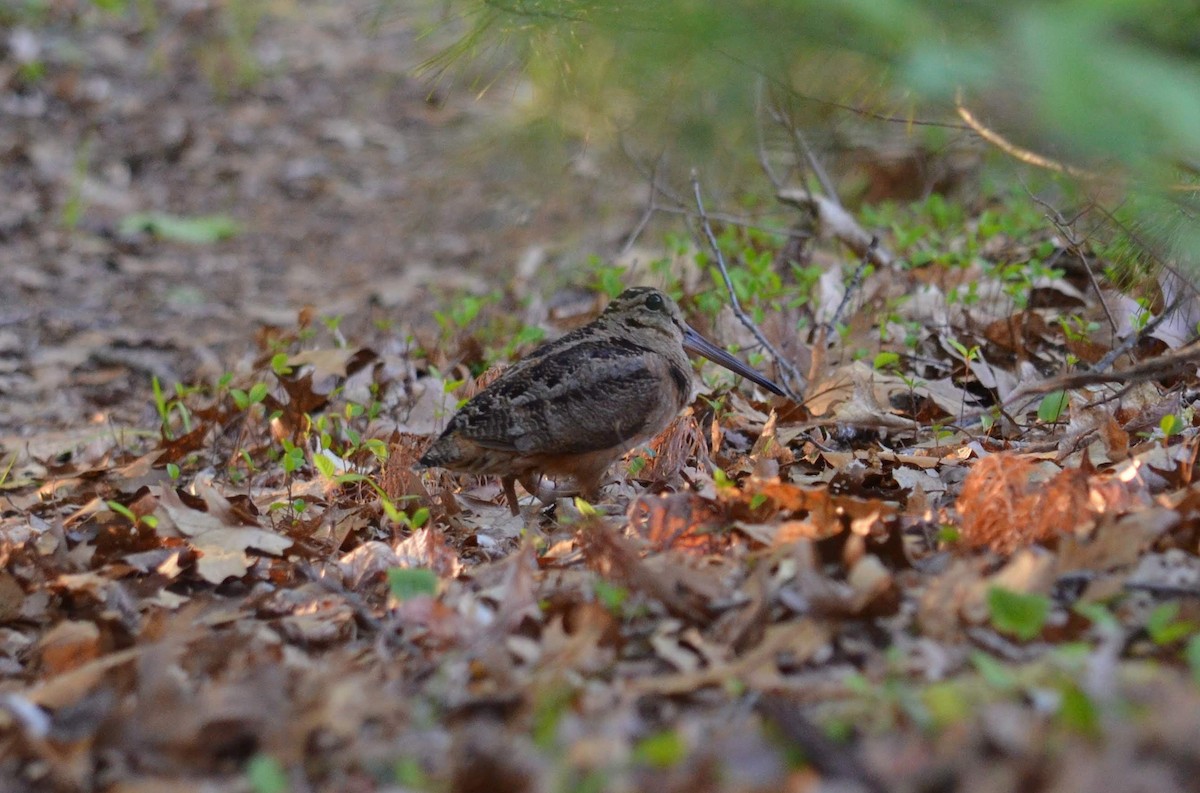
(1108, 87)
(1104, 79)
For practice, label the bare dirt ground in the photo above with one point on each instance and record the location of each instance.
(360, 191)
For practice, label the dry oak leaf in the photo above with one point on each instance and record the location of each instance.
(220, 542)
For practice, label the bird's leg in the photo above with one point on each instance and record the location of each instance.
(533, 484)
(586, 477)
(510, 493)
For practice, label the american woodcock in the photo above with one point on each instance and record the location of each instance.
(576, 404)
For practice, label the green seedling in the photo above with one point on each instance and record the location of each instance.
(199, 230)
(265, 775)
(406, 583)
(149, 521)
(1018, 614)
(1052, 406)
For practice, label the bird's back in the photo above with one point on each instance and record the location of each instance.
(585, 393)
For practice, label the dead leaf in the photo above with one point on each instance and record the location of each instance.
(221, 547)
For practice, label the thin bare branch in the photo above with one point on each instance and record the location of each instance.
(792, 374)
(1153, 369)
(805, 151)
(651, 205)
(1015, 151)
(851, 288)
(839, 224)
(764, 161)
(1065, 228)
(1041, 161)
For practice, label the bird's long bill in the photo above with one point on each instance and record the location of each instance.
(694, 342)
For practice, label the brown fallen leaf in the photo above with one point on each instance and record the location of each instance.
(221, 546)
(69, 645)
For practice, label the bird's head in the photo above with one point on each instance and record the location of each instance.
(651, 316)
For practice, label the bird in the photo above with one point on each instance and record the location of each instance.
(576, 404)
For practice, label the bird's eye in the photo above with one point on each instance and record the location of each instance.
(654, 303)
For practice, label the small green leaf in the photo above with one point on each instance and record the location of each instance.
(1052, 406)
(549, 707)
(885, 359)
(160, 400)
(1077, 711)
(324, 466)
(410, 582)
(1162, 626)
(1023, 616)
(1170, 424)
(111, 6)
(279, 364)
(611, 596)
(585, 509)
(377, 447)
(198, 230)
(660, 750)
(122, 510)
(258, 393)
(408, 773)
(394, 514)
(266, 775)
(946, 703)
(173, 470)
(293, 457)
(722, 480)
(1193, 657)
(994, 673)
(1098, 615)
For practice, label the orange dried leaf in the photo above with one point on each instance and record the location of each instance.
(1005, 508)
(68, 645)
(678, 520)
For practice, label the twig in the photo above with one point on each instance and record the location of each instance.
(834, 220)
(764, 161)
(1015, 151)
(649, 175)
(1142, 372)
(1076, 245)
(791, 372)
(651, 207)
(1150, 326)
(1041, 161)
(804, 150)
(852, 287)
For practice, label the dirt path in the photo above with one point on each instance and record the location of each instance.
(357, 188)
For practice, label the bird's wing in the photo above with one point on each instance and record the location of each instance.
(596, 398)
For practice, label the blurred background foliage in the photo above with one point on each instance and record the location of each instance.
(1109, 88)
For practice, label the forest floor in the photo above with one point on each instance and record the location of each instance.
(251, 264)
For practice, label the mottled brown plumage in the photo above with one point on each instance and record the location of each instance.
(575, 405)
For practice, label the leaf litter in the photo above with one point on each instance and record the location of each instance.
(919, 578)
(750, 575)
